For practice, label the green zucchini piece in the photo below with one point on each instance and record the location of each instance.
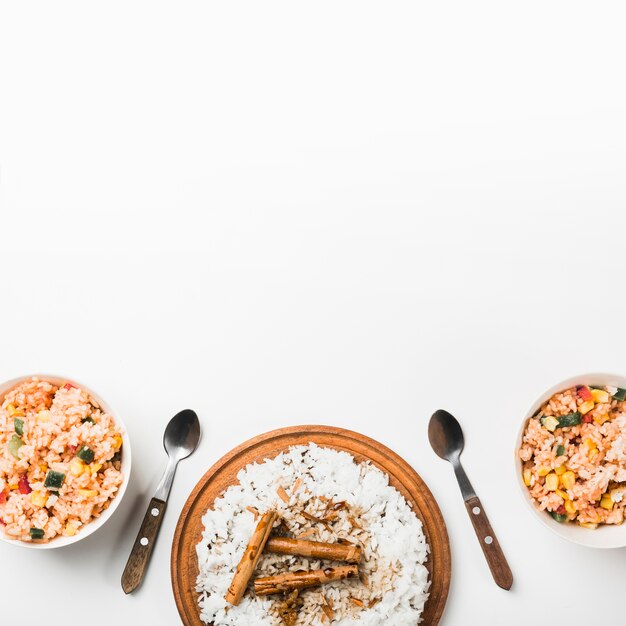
(86, 454)
(14, 445)
(560, 451)
(36, 533)
(558, 517)
(620, 395)
(54, 480)
(19, 426)
(573, 419)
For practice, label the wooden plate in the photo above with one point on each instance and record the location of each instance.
(224, 474)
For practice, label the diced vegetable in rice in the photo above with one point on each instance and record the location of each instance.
(59, 460)
(574, 456)
(322, 495)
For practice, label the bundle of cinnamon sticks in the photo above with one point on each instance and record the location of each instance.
(290, 581)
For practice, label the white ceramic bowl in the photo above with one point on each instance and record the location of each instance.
(605, 536)
(94, 525)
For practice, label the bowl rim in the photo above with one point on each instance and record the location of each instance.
(605, 536)
(95, 524)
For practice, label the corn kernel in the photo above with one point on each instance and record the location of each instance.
(588, 525)
(77, 467)
(43, 416)
(43, 468)
(38, 498)
(590, 444)
(606, 502)
(70, 529)
(600, 396)
(560, 470)
(570, 507)
(600, 419)
(117, 442)
(13, 486)
(550, 422)
(13, 412)
(543, 471)
(552, 482)
(527, 474)
(585, 407)
(94, 468)
(560, 492)
(88, 493)
(568, 479)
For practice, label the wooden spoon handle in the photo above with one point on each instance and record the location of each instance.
(498, 565)
(142, 548)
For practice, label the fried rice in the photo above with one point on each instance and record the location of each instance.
(574, 456)
(60, 460)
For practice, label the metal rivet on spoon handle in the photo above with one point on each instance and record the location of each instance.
(180, 440)
(446, 439)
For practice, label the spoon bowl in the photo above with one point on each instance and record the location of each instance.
(445, 435)
(182, 435)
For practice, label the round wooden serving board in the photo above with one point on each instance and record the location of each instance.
(224, 474)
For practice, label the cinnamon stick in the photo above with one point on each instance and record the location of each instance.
(251, 557)
(302, 579)
(314, 549)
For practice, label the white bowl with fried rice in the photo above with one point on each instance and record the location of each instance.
(570, 460)
(65, 461)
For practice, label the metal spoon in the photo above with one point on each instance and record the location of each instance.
(446, 439)
(180, 440)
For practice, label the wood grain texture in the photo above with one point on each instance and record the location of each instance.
(184, 564)
(498, 565)
(143, 546)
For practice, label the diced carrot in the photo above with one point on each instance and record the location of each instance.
(586, 406)
(3, 497)
(587, 419)
(69, 386)
(585, 393)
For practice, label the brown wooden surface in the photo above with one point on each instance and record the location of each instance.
(184, 563)
(140, 554)
(498, 565)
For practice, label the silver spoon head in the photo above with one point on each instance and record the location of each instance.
(182, 434)
(445, 435)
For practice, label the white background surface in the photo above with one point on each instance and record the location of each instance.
(344, 213)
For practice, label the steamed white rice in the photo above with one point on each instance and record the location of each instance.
(393, 586)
